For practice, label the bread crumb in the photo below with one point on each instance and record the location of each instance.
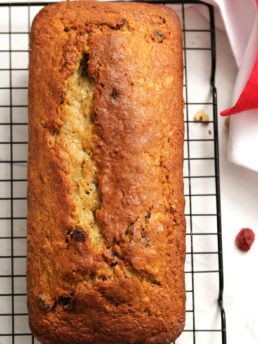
(227, 122)
(202, 116)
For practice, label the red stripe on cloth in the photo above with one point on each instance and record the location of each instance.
(249, 97)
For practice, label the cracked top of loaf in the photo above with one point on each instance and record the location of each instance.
(106, 227)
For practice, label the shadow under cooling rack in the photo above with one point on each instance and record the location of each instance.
(205, 316)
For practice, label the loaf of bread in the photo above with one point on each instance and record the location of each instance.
(106, 227)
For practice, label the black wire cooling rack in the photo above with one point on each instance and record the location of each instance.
(205, 316)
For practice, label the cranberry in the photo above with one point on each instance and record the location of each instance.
(245, 239)
(77, 234)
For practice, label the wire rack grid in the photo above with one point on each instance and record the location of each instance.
(205, 316)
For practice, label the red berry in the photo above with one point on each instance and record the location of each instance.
(245, 239)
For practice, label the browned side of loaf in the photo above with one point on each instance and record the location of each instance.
(106, 227)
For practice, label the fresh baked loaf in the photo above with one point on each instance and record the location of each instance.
(106, 227)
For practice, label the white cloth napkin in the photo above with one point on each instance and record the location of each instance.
(240, 20)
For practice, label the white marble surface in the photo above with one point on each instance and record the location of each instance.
(239, 194)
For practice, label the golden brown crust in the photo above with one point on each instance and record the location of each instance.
(106, 228)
